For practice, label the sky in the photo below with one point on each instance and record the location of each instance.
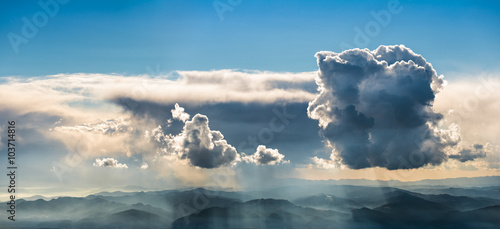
(166, 94)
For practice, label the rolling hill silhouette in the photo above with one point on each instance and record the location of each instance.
(345, 206)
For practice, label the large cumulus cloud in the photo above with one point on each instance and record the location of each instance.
(375, 108)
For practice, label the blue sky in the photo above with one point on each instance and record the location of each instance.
(127, 36)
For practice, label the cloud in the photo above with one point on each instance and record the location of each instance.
(285, 126)
(206, 148)
(375, 108)
(99, 138)
(87, 96)
(198, 144)
(264, 156)
(81, 102)
(221, 86)
(324, 163)
(109, 162)
(78, 116)
(472, 102)
(178, 113)
(469, 154)
(144, 166)
(105, 127)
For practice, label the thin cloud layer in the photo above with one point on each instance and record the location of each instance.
(375, 108)
(53, 93)
(109, 162)
(221, 86)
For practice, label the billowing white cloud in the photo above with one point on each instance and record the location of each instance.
(264, 156)
(109, 162)
(178, 113)
(144, 166)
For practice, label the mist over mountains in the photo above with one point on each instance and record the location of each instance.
(320, 204)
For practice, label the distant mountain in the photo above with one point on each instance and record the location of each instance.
(490, 214)
(261, 213)
(70, 208)
(469, 182)
(408, 208)
(134, 218)
(404, 210)
(131, 218)
(461, 203)
(492, 192)
(328, 202)
(485, 218)
(37, 197)
(116, 193)
(367, 196)
(180, 203)
(344, 206)
(462, 182)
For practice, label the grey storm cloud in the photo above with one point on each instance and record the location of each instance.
(469, 154)
(375, 108)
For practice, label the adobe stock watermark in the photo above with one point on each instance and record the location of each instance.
(31, 26)
(381, 19)
(221, 7)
